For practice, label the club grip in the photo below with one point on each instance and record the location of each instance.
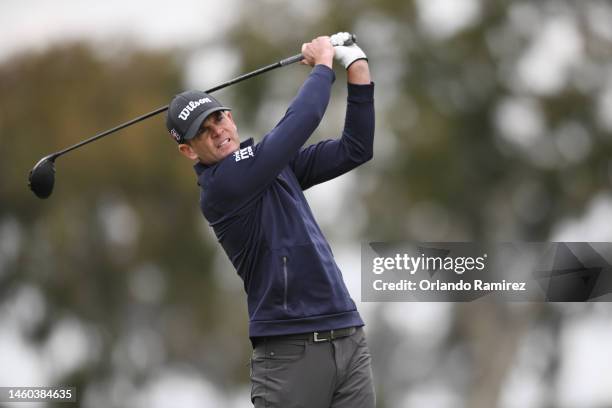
(291, 60)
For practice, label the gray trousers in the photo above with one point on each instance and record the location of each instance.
(303, 374)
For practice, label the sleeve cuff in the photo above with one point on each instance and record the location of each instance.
(361, 93)
(324, 70)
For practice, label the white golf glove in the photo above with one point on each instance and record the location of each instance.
(346, 55)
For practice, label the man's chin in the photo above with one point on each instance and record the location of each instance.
(228, 150)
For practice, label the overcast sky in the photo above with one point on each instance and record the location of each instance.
(34, 24)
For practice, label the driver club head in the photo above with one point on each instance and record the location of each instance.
(42, 177)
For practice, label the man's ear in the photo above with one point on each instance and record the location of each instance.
(187, 151)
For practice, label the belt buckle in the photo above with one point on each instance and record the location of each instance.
(316, 338)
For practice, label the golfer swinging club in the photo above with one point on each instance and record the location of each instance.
(309, 349)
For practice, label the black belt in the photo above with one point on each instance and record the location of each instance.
(315, 337)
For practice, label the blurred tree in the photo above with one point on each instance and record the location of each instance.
(120, 246)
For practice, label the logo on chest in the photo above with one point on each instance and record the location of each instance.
(244, 154)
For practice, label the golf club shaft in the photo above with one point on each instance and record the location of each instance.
(282, 63)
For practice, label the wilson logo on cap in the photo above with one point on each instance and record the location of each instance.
(191, 106)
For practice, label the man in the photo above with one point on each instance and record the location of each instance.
(309, 348)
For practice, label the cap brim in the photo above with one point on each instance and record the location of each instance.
(195, 126)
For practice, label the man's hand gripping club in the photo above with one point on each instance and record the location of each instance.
(323, 49)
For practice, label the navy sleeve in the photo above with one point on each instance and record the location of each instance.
(331, 158)
(239, 177)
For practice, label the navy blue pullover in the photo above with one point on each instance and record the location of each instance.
(254, 201)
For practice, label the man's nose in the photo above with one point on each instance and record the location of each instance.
(215, 131)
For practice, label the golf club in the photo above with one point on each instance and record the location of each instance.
(42, 176)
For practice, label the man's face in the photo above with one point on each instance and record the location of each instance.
(217, 139)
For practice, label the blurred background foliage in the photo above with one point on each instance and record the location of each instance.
(492, 125)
